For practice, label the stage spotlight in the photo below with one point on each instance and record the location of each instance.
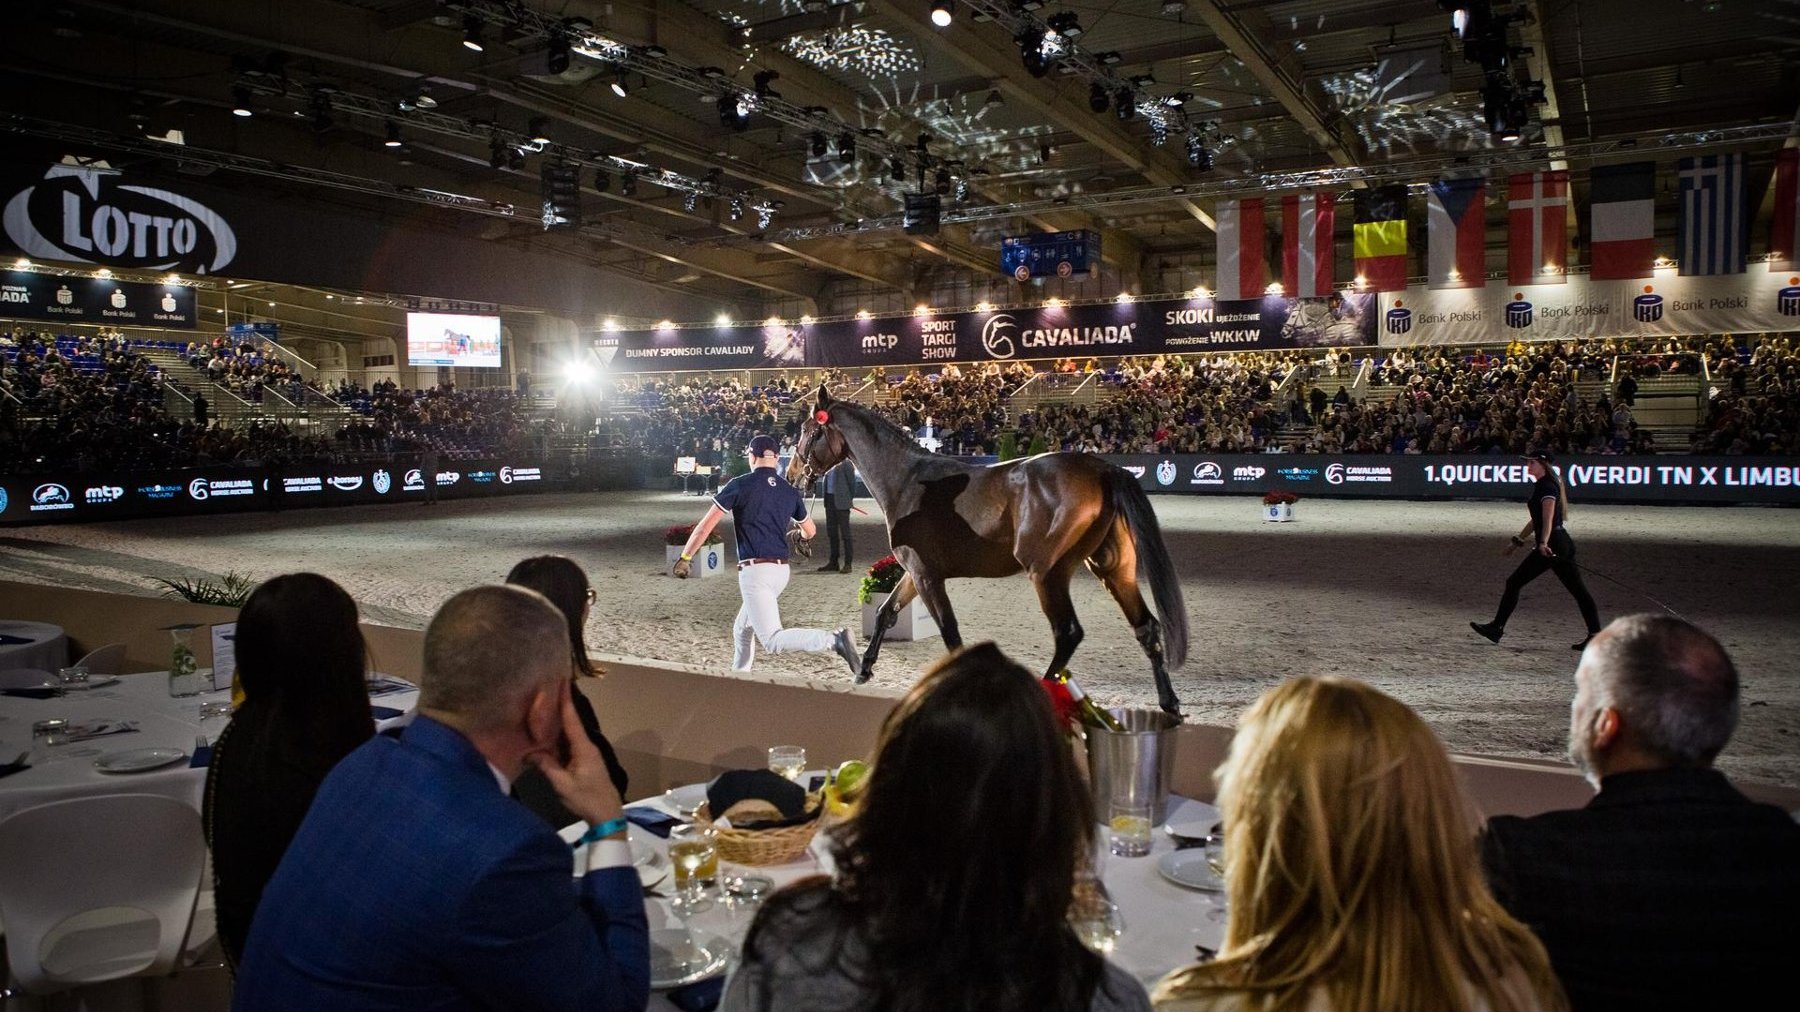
(994, 98)
(734, 112)
(1178, 99)
(602, 181)
(818, 145)
(942, 11)
(1045, 152)
(962, 190)
(1067, 24)
(897, 169)
(393, 135)
(556, 58)
(763, 78)
(619, 87)
(496, 155)
(472, 32)
(515, 157)
(1125, 103)
(942, 182)
(1097, 100)
(846, 147)
(539, 130)
(737, 208)
(628, 185)
(689, 202)
(240, 102)
(1198, 154)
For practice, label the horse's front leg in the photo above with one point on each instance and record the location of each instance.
(902, 597)
(931, 591)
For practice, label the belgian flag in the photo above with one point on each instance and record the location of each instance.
(1380, 237)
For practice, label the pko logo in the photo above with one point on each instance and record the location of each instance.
(51, 496)
(1247, 473)
(1788, 299)
(1648, 307)
(382, 481)
(81, 211)
(997, 338)
(199, 490)
(1165, 473)
(1518, 312)
(1399, 319)
(1334, 474)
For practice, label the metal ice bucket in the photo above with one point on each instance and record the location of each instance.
(1135, 765)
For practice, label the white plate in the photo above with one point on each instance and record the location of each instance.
(686, 800)
(1193, 827)
(138, 760)
(93, 682)
(1189, 868)
(704, 956)
(653, 871)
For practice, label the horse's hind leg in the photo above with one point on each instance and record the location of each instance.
(1053, 597)
(902, 596)
(1116, 566)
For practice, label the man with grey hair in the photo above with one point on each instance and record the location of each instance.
(1670, 889)
(416, 882)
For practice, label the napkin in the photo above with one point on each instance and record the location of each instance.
(10, 768)
(385, 686)
(384, 712)
(701, 997)
(29, 693)
(733, 786)
(652, 820)
(100, 729)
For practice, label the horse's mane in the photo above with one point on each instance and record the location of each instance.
(876, 422)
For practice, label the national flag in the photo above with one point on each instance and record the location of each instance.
(1784, 230)
(1712, 215)
(1307, 262)
(1242, 273)
(1622, 210)
(1379, 238)
(1456, 233)
(1537, 228)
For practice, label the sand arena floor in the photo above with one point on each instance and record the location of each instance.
(1377, 591)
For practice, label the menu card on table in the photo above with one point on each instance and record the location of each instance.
(224, 652)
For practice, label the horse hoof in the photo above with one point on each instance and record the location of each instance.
(864, 675)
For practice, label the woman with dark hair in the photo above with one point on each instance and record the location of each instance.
(301, 663)
(558, 578)
(955, 875)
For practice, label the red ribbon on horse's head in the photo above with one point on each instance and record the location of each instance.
(822, 416)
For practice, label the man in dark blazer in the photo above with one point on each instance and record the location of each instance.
(839, 490)
(1670, 889)
(415, 882)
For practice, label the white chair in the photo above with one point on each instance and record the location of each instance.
(98, 889)
(26, 678)
(108, 660)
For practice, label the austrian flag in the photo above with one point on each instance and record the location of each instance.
(1537, 232)
(1307, 222)
(1242, 274)
(1622, 203)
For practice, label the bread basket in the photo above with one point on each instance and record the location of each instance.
(763, 846)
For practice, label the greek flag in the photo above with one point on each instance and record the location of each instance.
(1713, 229)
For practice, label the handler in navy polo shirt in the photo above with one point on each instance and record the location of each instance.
(768, 516)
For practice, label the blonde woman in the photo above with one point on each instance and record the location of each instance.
(1351, 872)
(1552, 549)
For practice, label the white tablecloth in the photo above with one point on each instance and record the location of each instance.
(67, 771)
(47, 651)
(1163, 921)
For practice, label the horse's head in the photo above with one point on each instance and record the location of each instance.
(821, 447)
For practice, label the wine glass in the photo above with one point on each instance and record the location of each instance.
(1215, 859)
(1093, 914)
(694, 852)
(789, 761)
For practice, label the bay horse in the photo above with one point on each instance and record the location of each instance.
(1040, 515)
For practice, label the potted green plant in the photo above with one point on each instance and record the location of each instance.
(709, 558)
(914, 621)
(1278, 507)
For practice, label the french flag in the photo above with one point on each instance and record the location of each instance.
(1537, 233)
(1307, 223)
(1456, 233)
(1784, 230)
(1622, 212)
(1242, 273)
(1712, 215)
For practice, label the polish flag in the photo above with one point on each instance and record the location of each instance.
(1622, 206)
(1307, 223)
(1784, 230)
(1456, 233)
(1537, 212)
(1242, 273)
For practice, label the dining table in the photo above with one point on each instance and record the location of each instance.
(38, 645)
(1164, 924)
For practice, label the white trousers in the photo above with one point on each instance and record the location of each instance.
(760, 618)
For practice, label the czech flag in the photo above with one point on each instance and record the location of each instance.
(1379, 238)
(1456, 233)
(1622, 212)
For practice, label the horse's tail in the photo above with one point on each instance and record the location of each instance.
(1155, 566)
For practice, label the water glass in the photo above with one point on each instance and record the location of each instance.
(75, 676)
(1094, 916)
(1215, 859)
(1128, 826)
(217, 708)
(789, 761)
(50, 732)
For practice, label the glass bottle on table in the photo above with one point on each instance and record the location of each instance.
(1090, 712)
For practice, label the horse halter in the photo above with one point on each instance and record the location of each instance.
(807, 474)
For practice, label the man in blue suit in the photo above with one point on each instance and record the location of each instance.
(416, 883)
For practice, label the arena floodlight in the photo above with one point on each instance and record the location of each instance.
(472, 33)
(942, 12)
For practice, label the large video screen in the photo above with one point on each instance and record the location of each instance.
(453, 339)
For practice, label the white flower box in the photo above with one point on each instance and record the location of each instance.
(1279, 513)
(708, 561)
(913, 623)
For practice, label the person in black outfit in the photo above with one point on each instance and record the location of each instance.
(1552, 550)
(1670, 889)
(838, 488)
(562, 581)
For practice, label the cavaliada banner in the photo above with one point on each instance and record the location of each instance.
(1667, 305)
(1172, 326)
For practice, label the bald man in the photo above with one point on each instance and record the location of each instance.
(1670, 889)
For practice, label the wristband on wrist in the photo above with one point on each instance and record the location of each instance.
(685, 557)
(603, 830)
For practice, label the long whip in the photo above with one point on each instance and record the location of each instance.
(1634, 590)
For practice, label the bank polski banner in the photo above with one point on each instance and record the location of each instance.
(1666, 305)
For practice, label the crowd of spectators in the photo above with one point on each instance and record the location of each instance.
(1754, 404)
(244, 371)
(459, 422)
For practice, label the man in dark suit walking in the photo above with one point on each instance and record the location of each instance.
(415, 882)
(839, 489)
(1670, 889)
